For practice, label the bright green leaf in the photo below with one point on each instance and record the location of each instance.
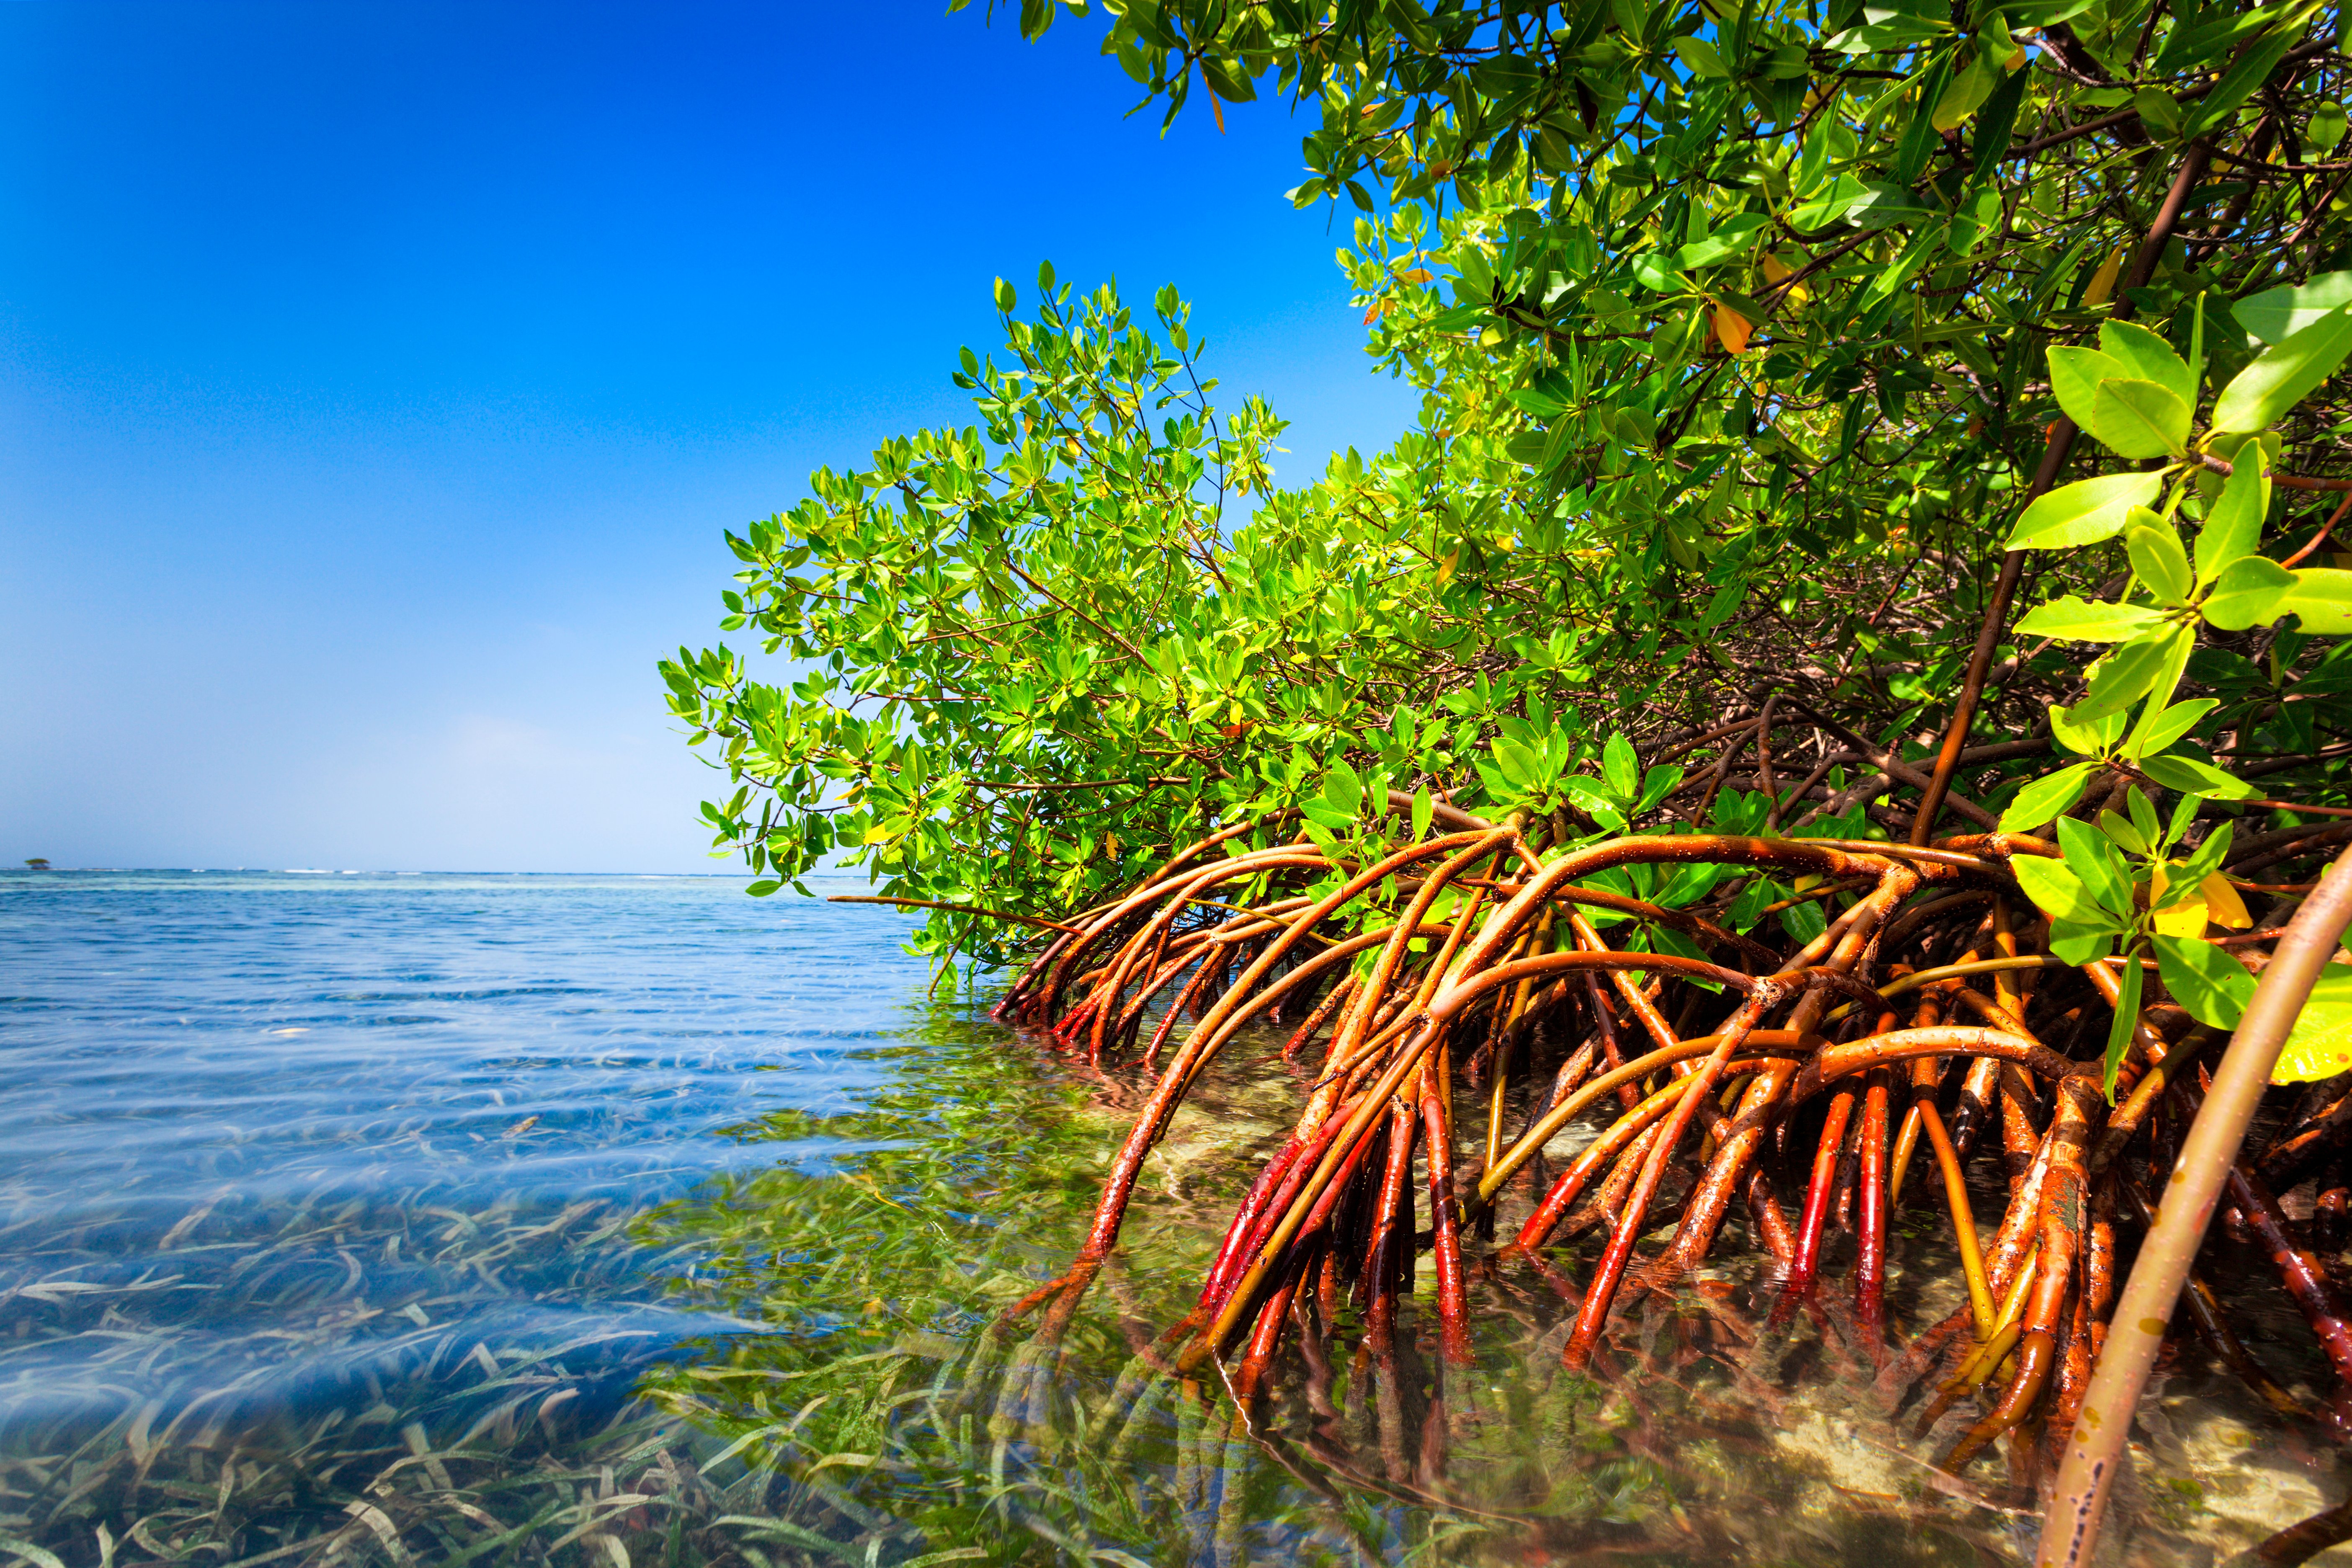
(2139, 418)
(2044, 798)
(2233, 523)
(2322, 599)
(2209, 986)
(2092, 857)
(2190, 776)
(2122, 1021)
(2074, 376)
(2148, 357)
(2275, 315)
(2086, 738)
(2259, 395)
(2131, 670)
(2320, 1043)
(2157, 560)
(2057, 892)
(2080, 620)
(2249, 592)
(1620, 769)
(2160, 730)
(2084, 512)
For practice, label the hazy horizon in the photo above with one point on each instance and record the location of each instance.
(379, 380)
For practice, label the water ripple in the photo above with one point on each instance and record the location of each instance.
(269, 1134)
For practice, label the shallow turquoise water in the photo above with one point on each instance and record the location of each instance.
(270, 1137)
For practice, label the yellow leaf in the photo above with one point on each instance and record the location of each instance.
(2103, 281)
(2181, 919)
(1731, 329)
(1777, 270)
(1445, 567)
(2222, 905)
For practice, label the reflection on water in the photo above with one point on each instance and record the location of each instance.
(308, 1176)
(613, 1221)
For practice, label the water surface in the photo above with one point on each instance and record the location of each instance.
(604, 1221)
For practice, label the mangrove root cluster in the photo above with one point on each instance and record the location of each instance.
(1456, 1003)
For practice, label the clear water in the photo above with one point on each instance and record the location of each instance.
(354, 1071)
(582, 1220)
(281, 1148)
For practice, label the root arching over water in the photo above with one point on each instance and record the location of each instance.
(1537, 1083)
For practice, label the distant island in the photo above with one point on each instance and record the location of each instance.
(37, 863)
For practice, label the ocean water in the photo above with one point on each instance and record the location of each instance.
(606, 1221)
(274, 1145)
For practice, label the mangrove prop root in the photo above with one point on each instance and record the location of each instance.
(1924, 1024)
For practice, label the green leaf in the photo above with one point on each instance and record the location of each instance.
(1656, 273)
(1700, 57)
(2233, 523)
(2086, 738)
(1656, 784)
(2057, 892)
(1423, 809)
(2320, 1043)
(2148, 357)
(1325, 839)
(2190, 874)
(2259, 395)
(2078, 944)
(1343, 792)
(2120, 1025)
(2252, 69)
(761, 890)
(1804, 921)
(1005, 298)
(1596, 802)
(2082, 620)
(1814, 160)
(2275, 315)
(2045, 797)
(2249, 592)
(1690, 883)
(2139, 419)
(1620, 769)
(2158, 111)
(2325, 130)
(2190, 776)
(2131, 670)
(2211, 986)
(1968, 89)
(2092, 857)
(1731, 237)
(1665, 939)
(2126, 835)
(2074, 376)
(2322, 597)
(2084, 512)
(2157, 560)
(2160, 730)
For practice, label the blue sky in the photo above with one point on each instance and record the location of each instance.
(376, 380)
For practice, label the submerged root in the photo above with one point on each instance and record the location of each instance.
(1923, 1022)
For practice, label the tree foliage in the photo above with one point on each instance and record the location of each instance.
(1746, 335)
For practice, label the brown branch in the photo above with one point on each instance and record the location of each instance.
(2054, 462)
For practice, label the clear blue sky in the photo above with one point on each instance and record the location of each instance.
(376, 380)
